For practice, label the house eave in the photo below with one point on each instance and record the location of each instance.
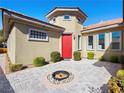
(101, 28)
(66, 9)
(14, 17)
(30, 19)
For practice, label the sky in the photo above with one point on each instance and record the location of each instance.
(96, 10)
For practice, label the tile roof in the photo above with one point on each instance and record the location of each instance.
(103, 24)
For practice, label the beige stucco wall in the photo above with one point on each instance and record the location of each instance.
(107, 52)
(11, 45)
(27, 50)
(71, 26)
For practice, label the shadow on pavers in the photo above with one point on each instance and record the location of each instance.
(110, 67)
(5, 86)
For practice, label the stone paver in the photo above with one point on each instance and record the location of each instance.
(90, 76)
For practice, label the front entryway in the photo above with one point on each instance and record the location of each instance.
(67, 46)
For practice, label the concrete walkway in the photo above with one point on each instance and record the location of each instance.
(2, 62)
(90, 76)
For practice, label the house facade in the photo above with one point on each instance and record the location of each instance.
(28, 38)
(104, 39)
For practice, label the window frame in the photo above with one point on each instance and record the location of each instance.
(98, 41)
(67, 19)
(120, 41)
(36, 39)
(79, 42)
(88, 42)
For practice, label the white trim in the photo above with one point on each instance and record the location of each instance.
(120, 41)
(36, 39)
(88, 42)
(98, 42)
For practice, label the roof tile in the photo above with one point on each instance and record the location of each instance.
(103, 24)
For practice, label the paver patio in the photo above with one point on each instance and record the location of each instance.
(90, 76)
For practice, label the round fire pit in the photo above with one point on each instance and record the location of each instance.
(60, 76)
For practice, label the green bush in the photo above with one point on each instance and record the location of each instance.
(113, 59)
(102, 58)
(120, 74)
(15, 67)
(77, 55)
(55, 56)
(90, 55)
(39, 61)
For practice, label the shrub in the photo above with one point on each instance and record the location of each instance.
(113, 86)
(122, 85)
(122, 59)
(90, 55)
(15, 67)
(24, 67)
(39, 61)
(55, 56)
(113, 59)
(77, 55)
(120, 74)
(102, 58)
(3, 50)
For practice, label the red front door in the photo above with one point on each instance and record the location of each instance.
(67, 45)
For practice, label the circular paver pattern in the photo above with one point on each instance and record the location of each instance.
(60, 77)
(89, 77)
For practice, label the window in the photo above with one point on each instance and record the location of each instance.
(79, 42)
(90, 42)
(66, 17)
(35, 34)
(101, 41)
(79, 20)
(116, 40)
(54, 20)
